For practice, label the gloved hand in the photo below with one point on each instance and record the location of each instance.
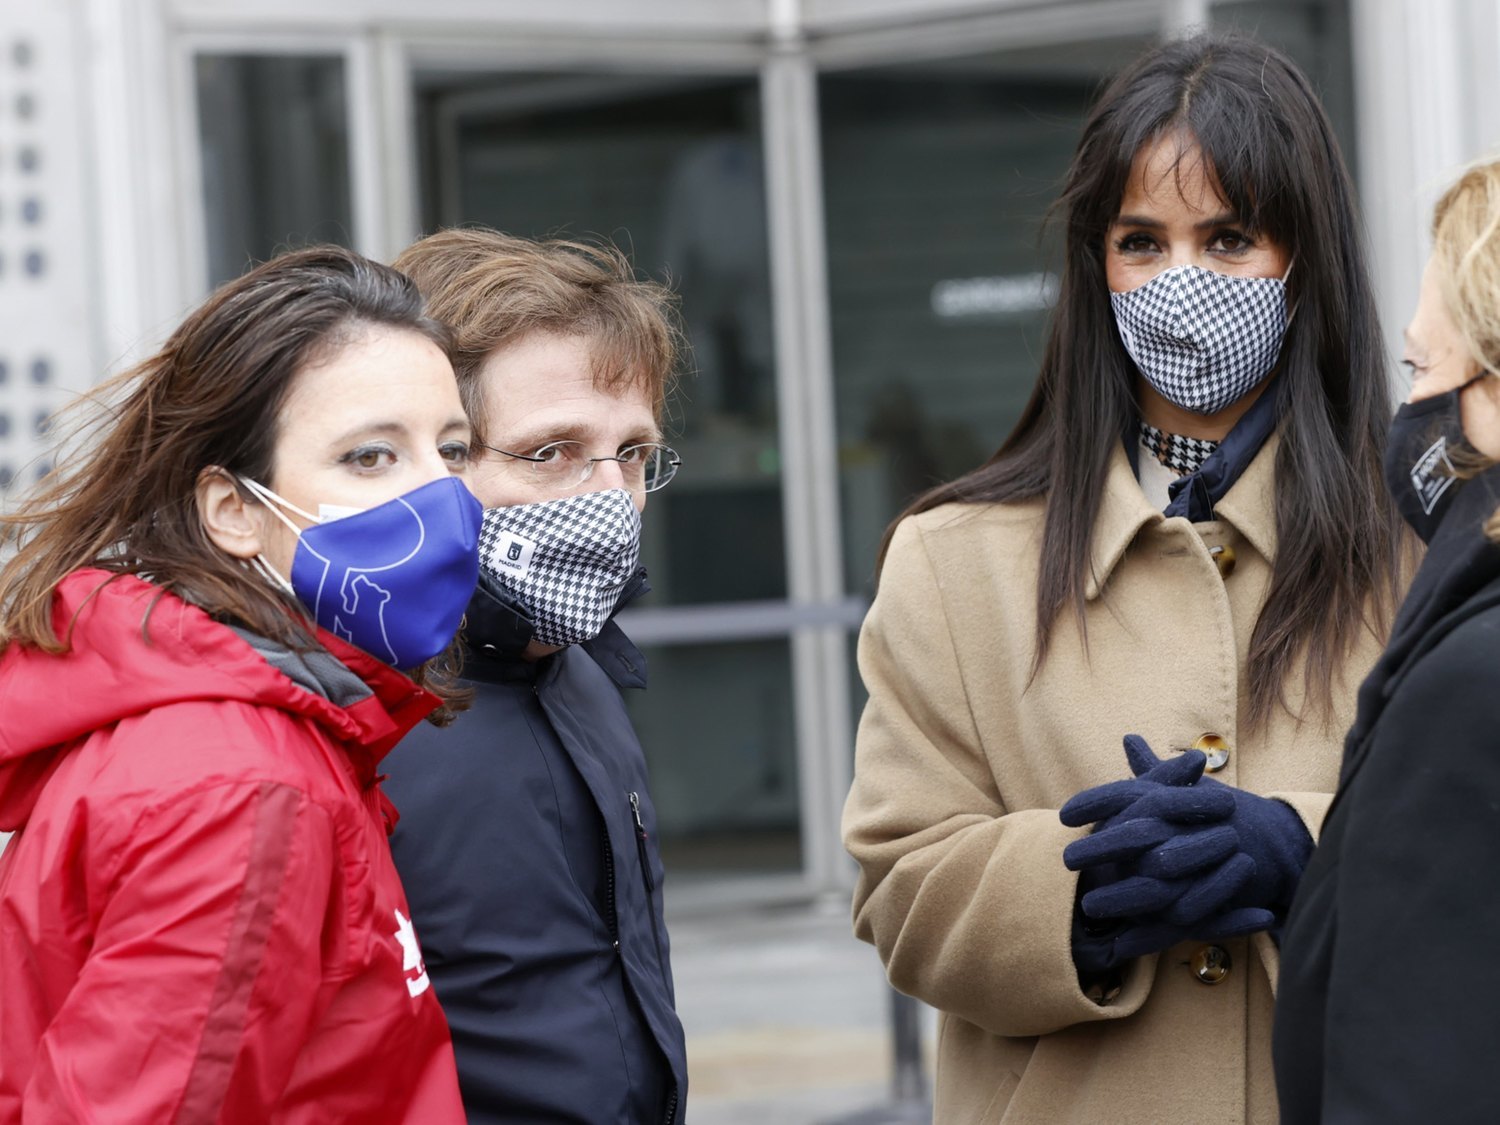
(1174, 866)
(1158, 789)
(1123, 915)
(1144, 813)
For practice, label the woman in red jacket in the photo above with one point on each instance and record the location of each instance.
(220, 617)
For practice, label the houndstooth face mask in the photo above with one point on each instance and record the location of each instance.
(1203, 339)
(565, 560)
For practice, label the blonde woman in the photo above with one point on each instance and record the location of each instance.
(1387, 964)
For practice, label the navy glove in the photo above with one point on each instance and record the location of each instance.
(1099, 947)
(1270, 832)
(1123, 915)
(1149, 813)
(1190, 873)
(1158, 789)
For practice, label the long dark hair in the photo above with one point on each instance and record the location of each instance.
(126, 502)
(1268, 144)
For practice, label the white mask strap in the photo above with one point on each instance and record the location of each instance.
(276, 503)
(259, 564)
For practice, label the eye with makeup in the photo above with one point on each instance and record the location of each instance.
(1135, 242)
(1231, 242)
(368, 458)
(456, 454)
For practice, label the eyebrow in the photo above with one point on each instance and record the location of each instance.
(1223, 219)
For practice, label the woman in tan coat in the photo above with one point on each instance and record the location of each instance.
(1186, 539)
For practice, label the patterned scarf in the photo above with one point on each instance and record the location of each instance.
(1183, 455)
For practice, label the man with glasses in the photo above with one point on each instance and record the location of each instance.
(527, 836)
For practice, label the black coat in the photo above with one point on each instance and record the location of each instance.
(1387, 972)
(535, 891)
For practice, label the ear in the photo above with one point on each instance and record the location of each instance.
(232, 522)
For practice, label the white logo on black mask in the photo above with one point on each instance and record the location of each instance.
(566, 561)
(1202, 339)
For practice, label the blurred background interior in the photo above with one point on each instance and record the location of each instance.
(848, 195)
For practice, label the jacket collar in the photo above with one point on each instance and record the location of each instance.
(381, 719)
(135, 647)
(1248, 505)
(497, 630)
(1458, 578)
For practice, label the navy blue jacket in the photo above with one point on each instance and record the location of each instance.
(527, 845)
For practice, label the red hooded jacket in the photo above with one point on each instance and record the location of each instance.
(199, 918)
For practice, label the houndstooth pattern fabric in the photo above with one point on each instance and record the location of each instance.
(1183, 455)
(565, 560)
(1203, 339)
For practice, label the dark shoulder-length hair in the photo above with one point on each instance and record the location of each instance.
(126, 502)
(1270, 149)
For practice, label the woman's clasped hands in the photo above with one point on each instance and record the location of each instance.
(1175, 855)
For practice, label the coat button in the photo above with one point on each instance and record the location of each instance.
(1215, 749)
(1223, 559)
(1211, 964)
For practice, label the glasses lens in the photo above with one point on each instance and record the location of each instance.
(661, 464)
(561, 462)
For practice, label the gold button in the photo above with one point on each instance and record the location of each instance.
(1215, 749)
(1223, 559)
(1211, 964)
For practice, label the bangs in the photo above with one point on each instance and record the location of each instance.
(1248, 155)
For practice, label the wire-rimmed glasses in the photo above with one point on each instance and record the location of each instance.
(566, 464)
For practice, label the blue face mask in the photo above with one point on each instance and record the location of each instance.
(393, 580)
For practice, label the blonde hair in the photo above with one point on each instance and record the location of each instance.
(1466, 250)
(493, 289)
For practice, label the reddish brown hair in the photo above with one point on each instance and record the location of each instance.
(493, 289)
(126, 500)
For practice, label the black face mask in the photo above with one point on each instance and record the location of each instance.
(1418, 470)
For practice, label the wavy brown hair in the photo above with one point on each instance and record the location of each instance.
(125, 500)
(1271, 151)
(493, 289)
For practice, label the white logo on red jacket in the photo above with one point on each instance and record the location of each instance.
(411, 956)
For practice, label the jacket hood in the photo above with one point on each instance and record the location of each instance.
(132, 648)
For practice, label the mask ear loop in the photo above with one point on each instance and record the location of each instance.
(1291, 312)
(271, 575)
(275, 503)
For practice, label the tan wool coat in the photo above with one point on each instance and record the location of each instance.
(961, 766)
